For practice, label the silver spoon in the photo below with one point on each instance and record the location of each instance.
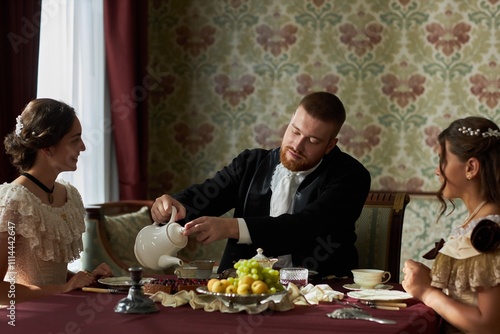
(353, 313)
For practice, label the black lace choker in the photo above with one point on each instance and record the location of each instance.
(41, 185)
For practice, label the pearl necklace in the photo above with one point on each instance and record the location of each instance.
(469, 217)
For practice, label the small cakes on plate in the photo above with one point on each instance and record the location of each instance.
(172, 286)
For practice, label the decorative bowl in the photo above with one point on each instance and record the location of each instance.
(233, 298)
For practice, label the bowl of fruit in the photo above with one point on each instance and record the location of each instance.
(254, 284)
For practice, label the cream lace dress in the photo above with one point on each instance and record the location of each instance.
(47, 238)
(459, 269)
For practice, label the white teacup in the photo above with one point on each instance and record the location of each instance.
(370, 278)
(186, 272)
(204, 268)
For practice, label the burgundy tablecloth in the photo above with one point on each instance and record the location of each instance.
(84, 312)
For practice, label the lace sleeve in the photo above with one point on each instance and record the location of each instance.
(9, 213)
(53, 233)
(466, 274)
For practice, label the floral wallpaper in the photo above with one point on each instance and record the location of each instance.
(233, 72)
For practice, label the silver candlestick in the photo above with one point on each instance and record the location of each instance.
(136, 301)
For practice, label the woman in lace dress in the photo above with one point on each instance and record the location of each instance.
(41, 219)
(463, 284)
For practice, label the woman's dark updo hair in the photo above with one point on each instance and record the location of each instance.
(44, 123)
(473, 137)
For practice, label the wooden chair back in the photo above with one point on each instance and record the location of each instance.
(379, 230)
(97, 246)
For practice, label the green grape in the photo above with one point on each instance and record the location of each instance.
(257, 272)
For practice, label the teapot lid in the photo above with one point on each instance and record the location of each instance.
(260, 256)
(174, 233)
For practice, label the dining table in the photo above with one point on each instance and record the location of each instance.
(88, 312)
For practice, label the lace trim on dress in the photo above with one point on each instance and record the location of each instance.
(461, 231)
(467, 274)
(463, 275)
(53, 233)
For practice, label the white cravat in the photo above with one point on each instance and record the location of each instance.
(281, 199)
(284, 185)
(283, 194)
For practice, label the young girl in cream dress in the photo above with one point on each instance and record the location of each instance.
(463, 285)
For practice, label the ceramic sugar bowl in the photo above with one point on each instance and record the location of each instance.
(156, 245)
(263, 260)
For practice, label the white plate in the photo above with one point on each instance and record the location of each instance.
(122, 281)
(373, 295)
(355, 286)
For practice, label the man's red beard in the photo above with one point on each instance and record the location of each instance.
(293, 165)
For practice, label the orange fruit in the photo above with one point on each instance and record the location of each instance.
(247, 279)
(259, 287)
(210, 283)
(231, 289)
(244, 289)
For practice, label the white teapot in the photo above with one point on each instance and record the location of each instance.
(156, 246)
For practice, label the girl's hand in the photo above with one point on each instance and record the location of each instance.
(79, 280)
(102, 270)
(417, 279)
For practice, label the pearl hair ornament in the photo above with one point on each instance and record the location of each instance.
(477, 132)
(19, 125)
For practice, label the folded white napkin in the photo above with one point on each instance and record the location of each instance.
(313, 294)
(307, 295)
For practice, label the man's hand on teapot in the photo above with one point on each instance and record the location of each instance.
(162, 209)
(210, 229)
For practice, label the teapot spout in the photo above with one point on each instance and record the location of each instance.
(166, 261)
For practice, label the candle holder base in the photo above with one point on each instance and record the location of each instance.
(136, 301)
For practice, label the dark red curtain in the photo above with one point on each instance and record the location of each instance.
(125, 28)
(20, 32)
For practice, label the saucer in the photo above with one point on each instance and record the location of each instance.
(379, 295)
(355, 286)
